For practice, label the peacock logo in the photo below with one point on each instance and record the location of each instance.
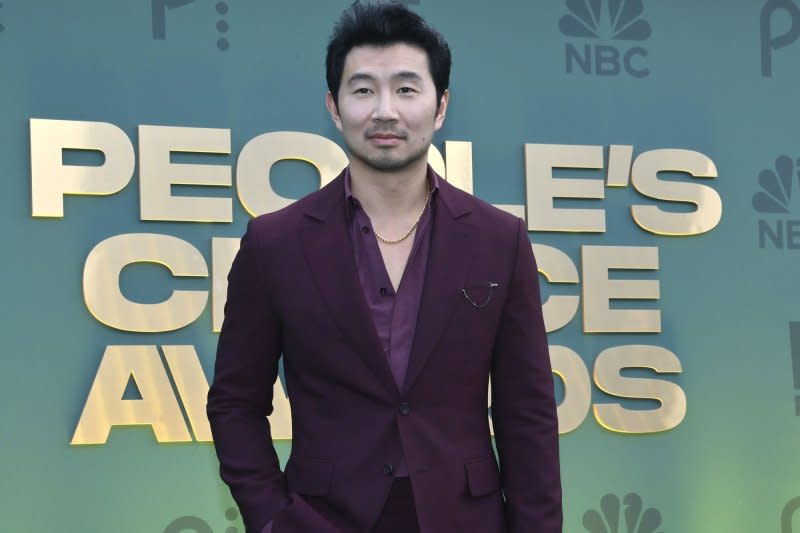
(776, 185)
(614, 19)
(775, 198)
(610, 20)
(613, 518)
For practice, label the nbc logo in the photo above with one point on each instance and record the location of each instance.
(775, 198)
(617, 20)
(611, 516)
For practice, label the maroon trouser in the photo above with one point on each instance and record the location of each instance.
(399, 514)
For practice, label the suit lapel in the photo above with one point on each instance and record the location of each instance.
(329, 253)
(448, 263)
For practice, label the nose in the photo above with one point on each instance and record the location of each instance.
(385, 109)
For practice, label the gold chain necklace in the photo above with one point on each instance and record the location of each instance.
(411, 230)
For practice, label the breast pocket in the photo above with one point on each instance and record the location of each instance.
(480, 295)
(477, 312)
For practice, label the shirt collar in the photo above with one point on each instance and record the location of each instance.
(352, 203)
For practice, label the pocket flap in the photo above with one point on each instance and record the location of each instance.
(311, 477)
(483, 477)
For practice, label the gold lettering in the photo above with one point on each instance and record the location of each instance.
(261, 152)
(157, 174)
(459, 164)
(557, 267)
(436, 161)
(541, 188)
(707, 201)
(105, 407)
(280, 421)
(599, 290)
(619, 165)
(223, 251)
(192, 387)
(569, 366)
(105, 300)
(51, 179)
(613, 416)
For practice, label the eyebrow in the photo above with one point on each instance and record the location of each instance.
(403, 75)
(407, 75)
(360, 76)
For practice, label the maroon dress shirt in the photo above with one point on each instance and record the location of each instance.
(394, 313)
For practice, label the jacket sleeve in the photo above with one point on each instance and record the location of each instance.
(523, 404)
(240, 397)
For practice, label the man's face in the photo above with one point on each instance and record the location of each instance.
(387, 109)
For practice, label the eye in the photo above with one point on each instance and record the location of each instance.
(361, 90)
(406, 90)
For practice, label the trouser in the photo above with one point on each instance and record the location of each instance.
(399, 514)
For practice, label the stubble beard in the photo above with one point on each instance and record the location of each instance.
(385, 161)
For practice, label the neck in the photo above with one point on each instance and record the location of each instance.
(389, 194)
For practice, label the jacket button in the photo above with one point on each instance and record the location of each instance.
(388, 469)
(404, 409)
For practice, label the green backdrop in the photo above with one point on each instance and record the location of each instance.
(719, 78)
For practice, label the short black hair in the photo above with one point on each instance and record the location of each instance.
(383, 24)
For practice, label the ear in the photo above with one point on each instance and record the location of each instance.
(330, 103)
(438, 120)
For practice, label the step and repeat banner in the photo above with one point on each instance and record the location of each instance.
(651, 147)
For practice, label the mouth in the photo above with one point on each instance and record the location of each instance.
(385, 139)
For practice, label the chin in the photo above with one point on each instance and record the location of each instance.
(390, 163)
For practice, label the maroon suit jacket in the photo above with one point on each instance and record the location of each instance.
(294, 291)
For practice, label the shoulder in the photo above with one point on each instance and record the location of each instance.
(272, 228)
(480, 213)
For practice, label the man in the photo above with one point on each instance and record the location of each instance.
(392, 297)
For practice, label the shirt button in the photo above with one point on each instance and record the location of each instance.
(383, 291)
(388, 469)
(404, 409)
(365, 230)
